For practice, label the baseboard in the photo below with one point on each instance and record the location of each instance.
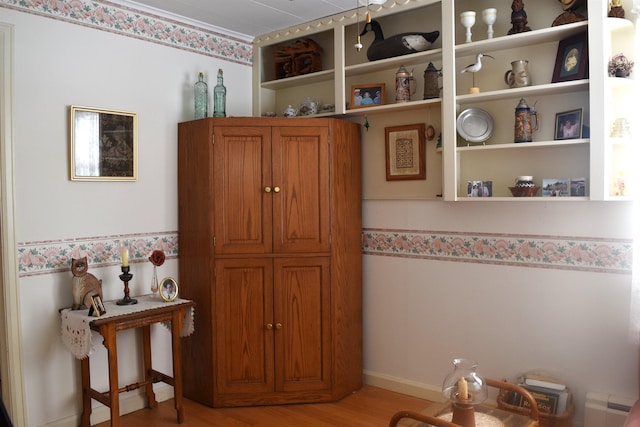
(128, 404)
(404, 386)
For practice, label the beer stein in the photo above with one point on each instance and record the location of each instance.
(526, 122)
(405, 85)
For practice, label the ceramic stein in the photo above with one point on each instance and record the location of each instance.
(518, 75)
(405, 85)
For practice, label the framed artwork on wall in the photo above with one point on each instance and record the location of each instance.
(103, 145)
(405, 152)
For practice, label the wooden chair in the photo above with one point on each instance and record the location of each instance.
(434, 421)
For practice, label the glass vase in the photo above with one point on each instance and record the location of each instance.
(453, 385)
(154, 281)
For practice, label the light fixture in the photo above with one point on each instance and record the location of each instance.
(366, 3)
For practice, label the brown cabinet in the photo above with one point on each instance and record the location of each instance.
(270, 251)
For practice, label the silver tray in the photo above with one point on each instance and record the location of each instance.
(475, 125)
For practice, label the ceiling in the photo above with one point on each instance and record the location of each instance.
(250, 18)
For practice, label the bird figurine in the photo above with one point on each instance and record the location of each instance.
(400, 44)
(474, 68)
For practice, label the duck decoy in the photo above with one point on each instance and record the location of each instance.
(400, 44)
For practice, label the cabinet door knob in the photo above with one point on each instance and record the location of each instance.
(269, 326)
(276, 189)
(278, 325)
(267, 189)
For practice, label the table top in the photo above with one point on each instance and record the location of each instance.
(486, 416)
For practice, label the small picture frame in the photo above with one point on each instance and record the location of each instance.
(572, 59)
(578, 187)
(103, 145)
(479, 188)
(555, 187)
(168, 289)
(569, 124)
(370, 95)
(97, 307)
(405, 152)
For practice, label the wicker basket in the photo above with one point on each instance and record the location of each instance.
(546, 420)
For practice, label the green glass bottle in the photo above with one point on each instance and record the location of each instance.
(201, 96)
(219, 97)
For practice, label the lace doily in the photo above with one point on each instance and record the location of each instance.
(76, 332)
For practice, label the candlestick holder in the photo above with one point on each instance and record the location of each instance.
(464, 388)
(126, 277)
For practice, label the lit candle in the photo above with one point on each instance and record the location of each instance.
(125, 256)
(463, 389)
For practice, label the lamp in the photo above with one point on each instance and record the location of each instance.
(366, 3)
(464, 388)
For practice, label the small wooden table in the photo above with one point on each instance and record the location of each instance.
(126, 318)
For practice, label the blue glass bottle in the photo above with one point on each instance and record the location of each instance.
(219, 97)
(201, 95)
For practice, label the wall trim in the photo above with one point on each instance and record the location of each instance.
(601, 255)
(143, 25)
(404, 386)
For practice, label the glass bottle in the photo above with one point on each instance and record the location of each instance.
(154, 282)
(201, 95)
(219, 97)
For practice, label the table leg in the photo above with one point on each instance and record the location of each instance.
(146, 345)
(176, 327)
(109, 342)
(85, 373)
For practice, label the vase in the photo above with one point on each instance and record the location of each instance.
(621, 73)
(154, 281)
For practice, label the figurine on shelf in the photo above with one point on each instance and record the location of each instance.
(518, 18)
(616, 10)
(570, 14)
(84, 284)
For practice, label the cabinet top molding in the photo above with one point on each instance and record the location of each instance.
(344, 18)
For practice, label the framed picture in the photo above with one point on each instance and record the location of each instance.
(479, 188)
(405, 152)
(569, 124)
(578, 187)
(97, 307)
(104, 145)
(168, 289)
(555, 187)
(367, 95)
(572, 59)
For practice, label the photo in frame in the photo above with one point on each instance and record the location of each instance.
(97, 307)
(405, 152)
(479, 188)
(103, 145)
(168, 289)
(555, 187)
(572, 59)
(569, 124)
(367, 95)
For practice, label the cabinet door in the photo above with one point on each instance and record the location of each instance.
(302, 304)
(300, 168)
(242, 173)
(244, 340)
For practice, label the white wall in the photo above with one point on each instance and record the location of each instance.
(420, 314)
(58, 64)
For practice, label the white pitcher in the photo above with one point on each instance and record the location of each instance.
(518, 75)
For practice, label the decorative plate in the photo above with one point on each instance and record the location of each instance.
(475, 125)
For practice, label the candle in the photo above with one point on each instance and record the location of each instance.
(463, 389)
(125, 256)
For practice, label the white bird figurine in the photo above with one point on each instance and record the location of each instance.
(474, 68)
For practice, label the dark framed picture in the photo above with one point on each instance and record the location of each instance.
(367, 95)
(168, 289)
(405, 152)
(97, 307)
(572, 59)
(104, 145)
(569, 124)
(479, 188)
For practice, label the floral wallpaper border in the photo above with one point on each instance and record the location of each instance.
(118, 19)
(48, 257)
(566, 253)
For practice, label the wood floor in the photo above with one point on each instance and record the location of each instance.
(368, 407)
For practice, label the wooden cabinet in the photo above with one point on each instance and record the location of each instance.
(270, 251)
